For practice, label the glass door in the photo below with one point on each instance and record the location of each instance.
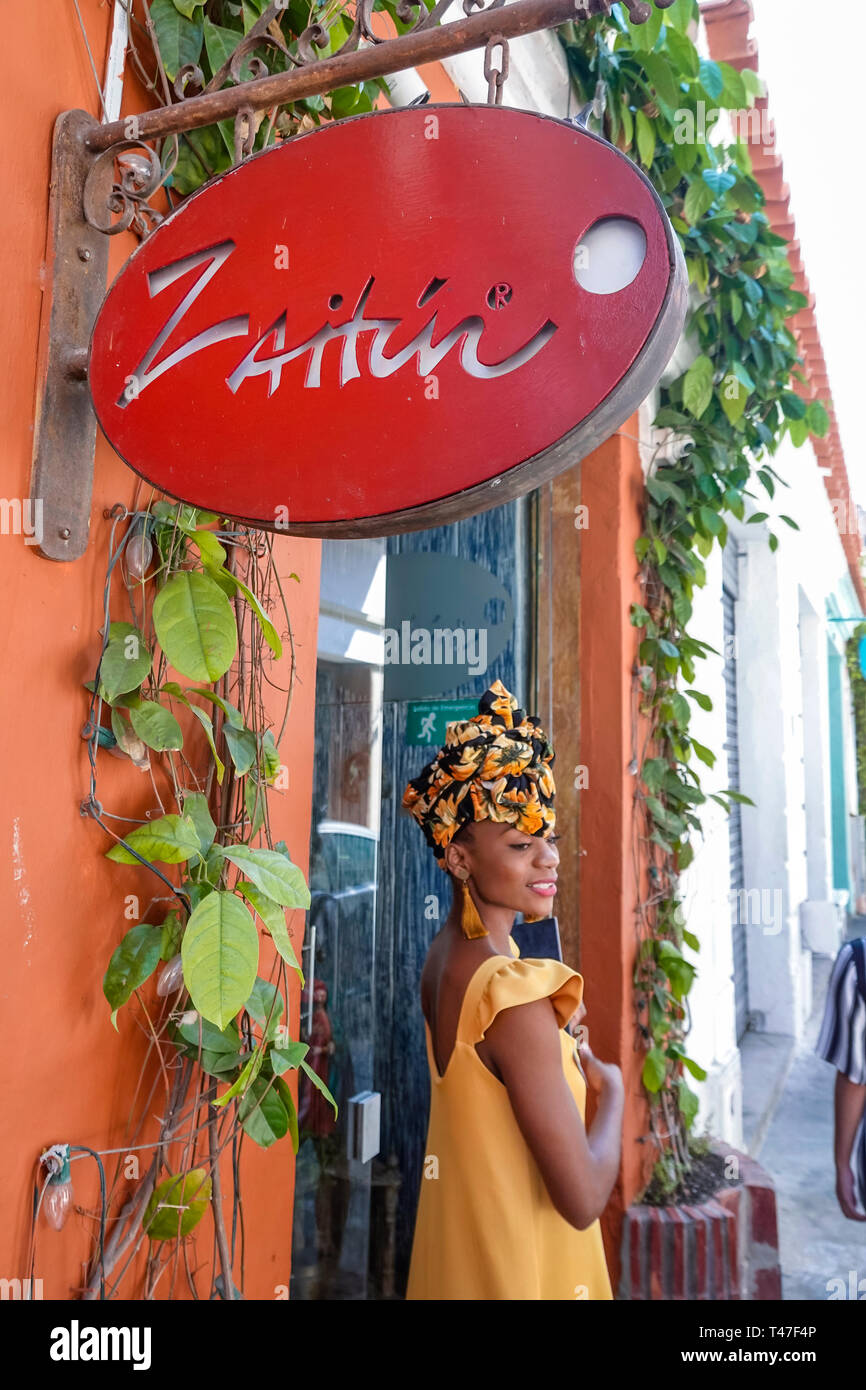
(334, 1169)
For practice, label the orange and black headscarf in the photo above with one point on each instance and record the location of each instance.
(495, 766)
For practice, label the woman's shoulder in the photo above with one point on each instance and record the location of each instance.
(522, 980)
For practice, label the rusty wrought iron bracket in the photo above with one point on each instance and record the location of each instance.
(76, 263)
(88, 203)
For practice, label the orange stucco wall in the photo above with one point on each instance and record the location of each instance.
(612, 487)
(68, 1076)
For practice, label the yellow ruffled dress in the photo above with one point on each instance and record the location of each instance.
(486, 1227)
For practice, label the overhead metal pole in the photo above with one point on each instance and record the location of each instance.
(344, 70)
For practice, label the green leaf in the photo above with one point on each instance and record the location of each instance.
(705, 754)
(255, 796)
(265, 1002)
(156, 726)
(171, 933)
(818, 419)
(126, 661)
(654, 1070)
(662, 77)
(789, 521)
(277, 876)
(270, 757)
(268, 629)
(738, 796)
(262, 1113)
(627, 122)
(344, 101)
(207, 725)
(698, 386)
(188, 7)
(319, 1085)
(733, 398)
(210, 549)
(170, 840)
(232, 714)
(678, 20)
(697, 1072)
(274, 920)
(644, 36)
(220, 44)
(646, 139)
(719, 180)
(712, 78)
(179, 38)
(287, 1057)
(699, 200)
(195, 626)
(289, 1104)
(684, 55)
(691, 940)
(220, 956)
(734, 95)
(196, 808)
(242, 747)
(710, 520)
(703, 700)
(752, 83)
(793, 406)
(246, 1078)
(178, 1203)
(688, 1102)
(217, 1041)
(132, 962)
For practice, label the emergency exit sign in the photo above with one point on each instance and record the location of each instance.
(427, 719)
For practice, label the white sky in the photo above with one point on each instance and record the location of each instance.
(814, 81)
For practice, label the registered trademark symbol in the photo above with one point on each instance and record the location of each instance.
(499, 295)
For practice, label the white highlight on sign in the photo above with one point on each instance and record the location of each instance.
(610, 255)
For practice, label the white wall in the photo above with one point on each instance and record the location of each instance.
(784, 766)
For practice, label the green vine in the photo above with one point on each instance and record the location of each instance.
(858, 700)
(650, 91)
(187, 46)
(183, 683)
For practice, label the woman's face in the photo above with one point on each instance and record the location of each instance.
(509, 868)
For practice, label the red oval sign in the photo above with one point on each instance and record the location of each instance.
(394, 321)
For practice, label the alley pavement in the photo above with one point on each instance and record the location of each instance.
(794, 1144)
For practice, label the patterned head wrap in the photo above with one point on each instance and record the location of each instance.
(496, 765)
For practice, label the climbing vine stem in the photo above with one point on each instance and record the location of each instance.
(647, 89)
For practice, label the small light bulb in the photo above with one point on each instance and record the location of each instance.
(57, 1192)
(57, 1203)
(139, 553)
(171, 979)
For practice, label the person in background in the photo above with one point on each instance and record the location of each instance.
(842, 1041)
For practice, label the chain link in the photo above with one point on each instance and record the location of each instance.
(496, 77)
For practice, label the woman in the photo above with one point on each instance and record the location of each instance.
(513, 1184)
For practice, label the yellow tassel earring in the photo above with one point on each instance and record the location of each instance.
(471, 924)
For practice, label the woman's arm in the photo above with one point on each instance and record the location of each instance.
(578, 1168)
(850, 1100)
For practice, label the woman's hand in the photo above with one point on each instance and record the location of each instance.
(845, 1193)
(600, 1076)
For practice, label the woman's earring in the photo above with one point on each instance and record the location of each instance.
(471, 924)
